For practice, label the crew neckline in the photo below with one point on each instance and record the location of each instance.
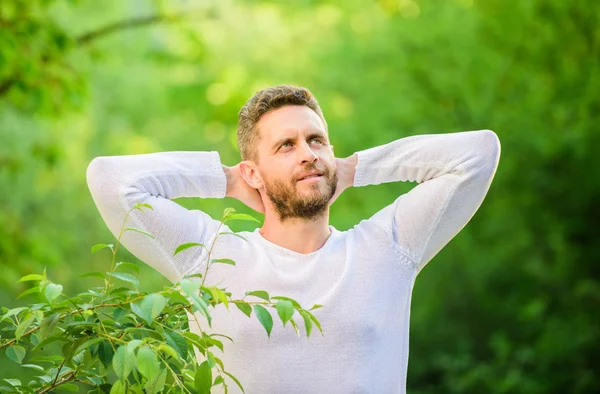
(297, 254)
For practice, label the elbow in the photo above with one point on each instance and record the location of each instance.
(489, 149)
(96, 175)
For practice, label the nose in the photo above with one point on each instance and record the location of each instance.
(306, 154)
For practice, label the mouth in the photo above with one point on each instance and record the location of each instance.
(312, 177)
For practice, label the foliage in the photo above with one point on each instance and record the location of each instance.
(510, 305)
(114, 339)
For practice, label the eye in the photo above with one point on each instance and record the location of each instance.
(318, 140)
(284, 144)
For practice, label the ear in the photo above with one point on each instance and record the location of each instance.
(249, 171)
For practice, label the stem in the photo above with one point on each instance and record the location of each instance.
(72, 376)
(209, 253)
(173, 373)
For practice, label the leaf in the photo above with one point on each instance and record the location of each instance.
(264, 317)
(34, 366)
(259, 293)
(88, 343)
(314, 320)
(244, 307)
(118, 387)
(105, 353)
(150, 307)
(52, 291)
(11, 312)
(31, 277)
(24, 326)
(28, 291)
(241, 216)
(186, 246)
(307, 322)
(137, 230)
(97, 274)
(125, 277)
(294, 302)
(169, 350)
(156, 385)
(48, 325)
(189, 287)
(285, 310)
(97, 247)
(139, 206)
(224, 261)
(203, 378)
(235, 380)
(293, 322)
(177, 342)
(128, 266)
(13, 382)
(122, 362)
(16, 353)
(315, 306)
(147, 362)
(235, 234)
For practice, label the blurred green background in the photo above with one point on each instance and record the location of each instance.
(510, 305)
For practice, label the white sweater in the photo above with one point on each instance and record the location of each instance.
(364, 276)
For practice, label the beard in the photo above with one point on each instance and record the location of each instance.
(289, 203)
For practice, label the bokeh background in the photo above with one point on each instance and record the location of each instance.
(511, 305)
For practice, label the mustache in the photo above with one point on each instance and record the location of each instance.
(325, 171)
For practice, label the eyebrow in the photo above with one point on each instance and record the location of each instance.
(314, 134)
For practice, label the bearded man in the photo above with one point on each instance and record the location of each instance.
(363, 276)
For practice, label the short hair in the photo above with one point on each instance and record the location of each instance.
(262, 102)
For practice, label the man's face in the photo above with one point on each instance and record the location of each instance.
(293, 143)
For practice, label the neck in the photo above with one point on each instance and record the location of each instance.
(298, 235)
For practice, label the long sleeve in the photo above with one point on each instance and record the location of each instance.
(454, 172)
(117, 183)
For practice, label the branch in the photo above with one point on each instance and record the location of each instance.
(130, 23)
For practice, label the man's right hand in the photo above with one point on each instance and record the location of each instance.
(239, 189)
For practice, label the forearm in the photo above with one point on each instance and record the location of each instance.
(422, 157)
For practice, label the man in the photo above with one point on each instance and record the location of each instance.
(363, 277)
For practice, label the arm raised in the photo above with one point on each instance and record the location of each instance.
(454, 172)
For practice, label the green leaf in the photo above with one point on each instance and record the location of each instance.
(293, 322)
(139, 206)
(241, 216)
(34, 366)
(150, 307)
(105, 353)
(88, 343)
(52, 291)
(259, 293)
(147, 362)
(13, 382)
(234, 234)
(125, 277)
(31, 277)
(244, 307)
(24, 325)
(294, 302)
(186, 246)
(97, 247)
(35, 289)
(118, 387)
(189, 287)
(201, 305)
(137, 230)
(169, 350)
(307, 322)
(235, 380)
(48, 325)
(127, 266)
(285, 310)
(156, 385)
(123, 361)
(315, 306)
(203, 378)
(69, 387)
(177, 342)
(96, 274)
(264, 317)
(314, 320)
(16, 353)
(224, 261)
(11, 312)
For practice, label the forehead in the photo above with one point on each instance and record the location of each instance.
(289, 120)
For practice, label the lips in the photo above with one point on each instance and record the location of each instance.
(309, 175)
